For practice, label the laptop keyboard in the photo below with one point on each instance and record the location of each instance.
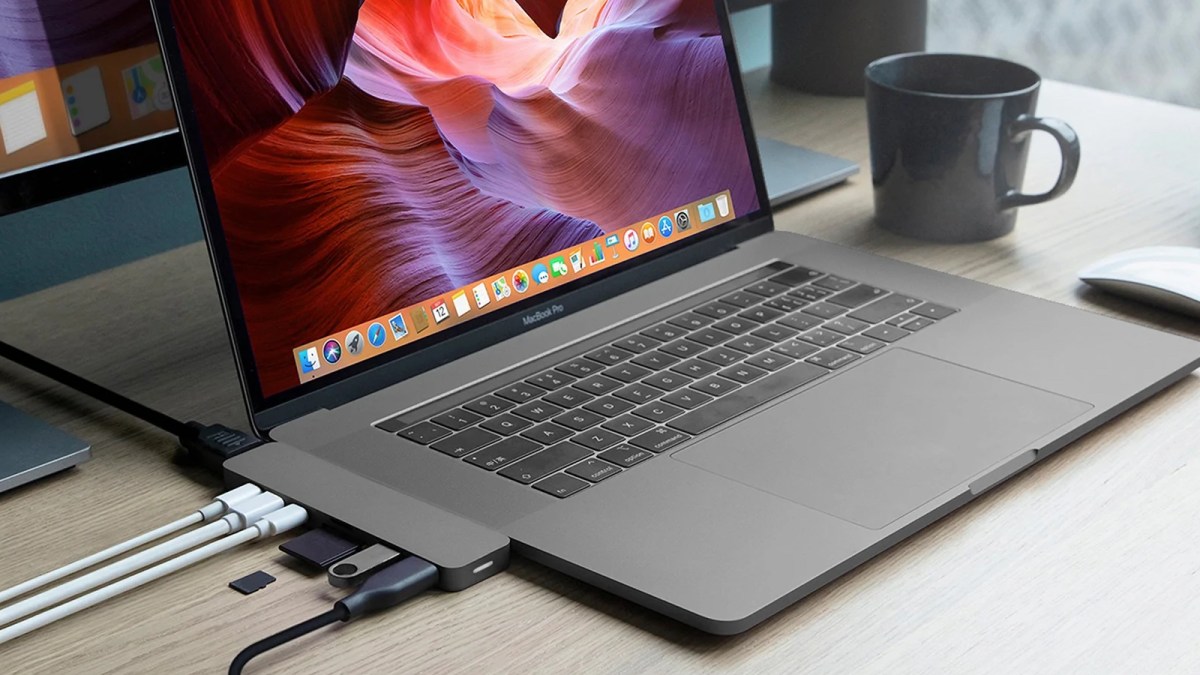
(598, 414)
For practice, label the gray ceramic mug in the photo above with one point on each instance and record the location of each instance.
(950, 141)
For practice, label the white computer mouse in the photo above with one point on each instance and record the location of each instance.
(1166, 276)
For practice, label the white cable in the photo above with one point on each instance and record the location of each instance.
(204, 514)
(277, 522)
(241, 515)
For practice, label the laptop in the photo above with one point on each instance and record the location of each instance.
(512, 264)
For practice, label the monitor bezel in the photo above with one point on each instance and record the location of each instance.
(267, 412)
(88, 172)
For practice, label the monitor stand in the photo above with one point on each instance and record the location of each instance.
(30, 449)
(793, 172)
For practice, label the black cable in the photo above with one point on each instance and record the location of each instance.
(85, 386)
(209, 444)
(338, 613)
(386, 588)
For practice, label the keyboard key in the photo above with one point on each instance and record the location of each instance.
(656, 360)
(548, 433)
(665, 332)
(736, 325)
(551, 380)
(834, 283)
(774, 332)
(858, 296)
(687, 399)
(659, 439)
(625, 455)
(901, 319)
(609, 355)
(627, 372)
(862, 345)
(932, 311)
(489, 405)
(799, 322)
(761, 314)
(767, 289)
(579, 419)
(628, 425)
(568, 398)
(538, 411)
(917, 324)
(637, 344)
(594, 470)
(546, 462)
(667, 381)
(715, 386)
(520, 392)
(822, 337)
(811, 293)
(598, 385)
(846, 326)
(709, 337)
(785, 304)
(639, 393)
(833, 358)
(752, 395)
(795, 349)
(769, 360)
(690, 321)
(749, 344)
(884, 309)
(598, 438)
(561, 485)
(695, 368)
(742, 299)
(796, 276)
(425, 432)
(717, 310)
(580, 367)
(823, 310)
(500, 454)
(886, 333)
(465, 442)
(743, 373)
(609, 406)
(684, 348)
(506, 424)
(658, 411)
(457, 419)
(395, 424)
(723, 356)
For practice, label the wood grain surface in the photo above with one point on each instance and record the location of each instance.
(1089, 563)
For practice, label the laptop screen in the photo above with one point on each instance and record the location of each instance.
(389, 170)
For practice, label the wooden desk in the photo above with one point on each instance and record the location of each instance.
(1089, 563)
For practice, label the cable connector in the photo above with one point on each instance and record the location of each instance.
(386, 588)
(390, 586)
(211, 444)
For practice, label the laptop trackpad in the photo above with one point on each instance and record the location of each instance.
(877, 441)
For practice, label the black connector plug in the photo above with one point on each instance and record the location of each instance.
(386, 588)
(211, 444)
(389, 587)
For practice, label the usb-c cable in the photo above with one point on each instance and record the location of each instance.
(218, 507)
(277, 521)
(242, 514)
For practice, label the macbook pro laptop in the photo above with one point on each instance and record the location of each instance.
(511, 263)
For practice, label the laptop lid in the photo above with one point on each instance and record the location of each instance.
(387, 185)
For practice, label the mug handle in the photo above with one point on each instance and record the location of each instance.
(1068, 143)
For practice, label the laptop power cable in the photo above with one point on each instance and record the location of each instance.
(387, 587)
(208, 445)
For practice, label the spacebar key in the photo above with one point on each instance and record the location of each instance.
(748, 397)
